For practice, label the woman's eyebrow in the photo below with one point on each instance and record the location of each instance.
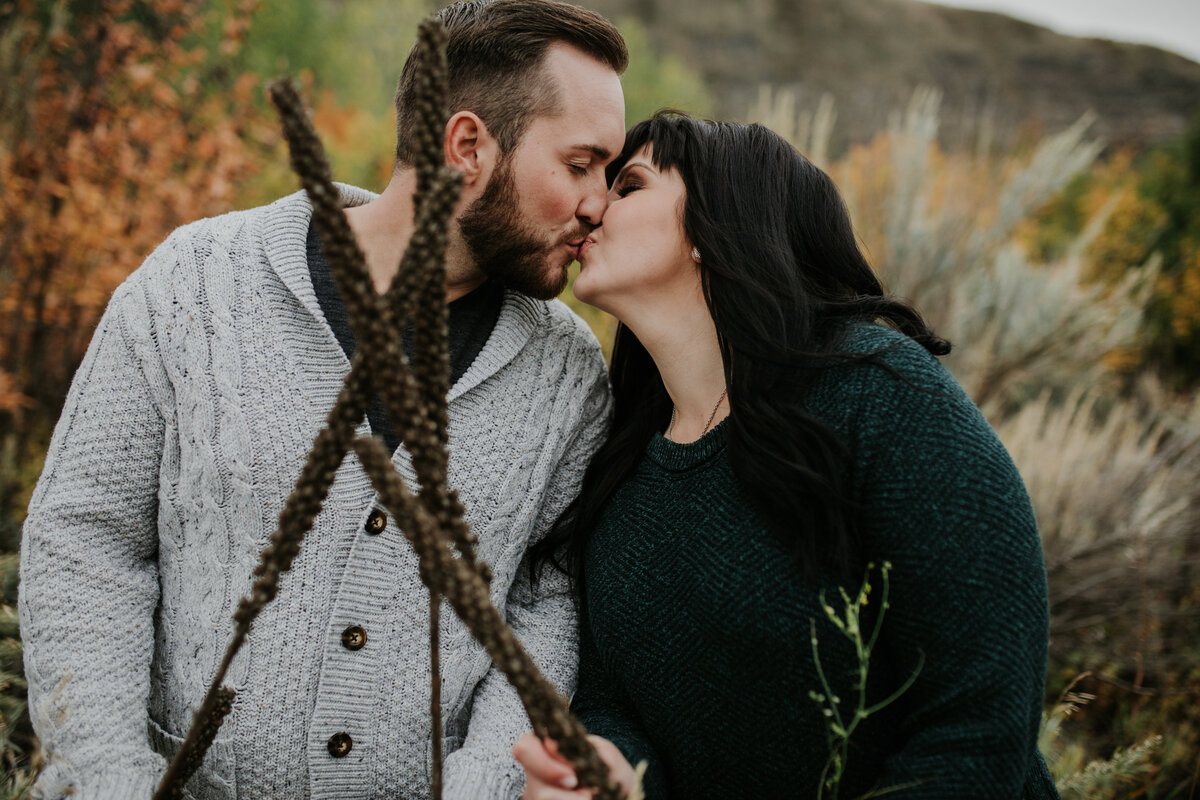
(630, 165)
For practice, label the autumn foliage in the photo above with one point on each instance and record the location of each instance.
(117, 124)
(1150, 202)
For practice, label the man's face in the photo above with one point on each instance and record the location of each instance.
(546, 195)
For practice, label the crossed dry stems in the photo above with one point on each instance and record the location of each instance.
(414, 395)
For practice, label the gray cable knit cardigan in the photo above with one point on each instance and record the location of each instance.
(187, 424)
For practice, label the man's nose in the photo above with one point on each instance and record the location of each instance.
(592, 206)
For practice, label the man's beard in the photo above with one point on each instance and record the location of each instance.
(504, 248)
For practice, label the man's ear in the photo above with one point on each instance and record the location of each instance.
(470, 148)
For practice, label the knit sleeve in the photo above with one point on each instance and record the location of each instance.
(541, 614)
(943, 503)
(89, 583)
(602, 709)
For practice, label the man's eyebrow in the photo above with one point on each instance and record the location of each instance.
(602, 153)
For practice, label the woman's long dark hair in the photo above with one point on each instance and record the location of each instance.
(782, 274)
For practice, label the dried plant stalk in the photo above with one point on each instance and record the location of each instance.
(422, 522)
(415, 400)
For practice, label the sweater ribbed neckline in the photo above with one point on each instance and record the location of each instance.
(678, 457)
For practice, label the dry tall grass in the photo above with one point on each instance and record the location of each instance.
(1114, 482)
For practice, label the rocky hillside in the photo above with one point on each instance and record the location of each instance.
(1009, 75)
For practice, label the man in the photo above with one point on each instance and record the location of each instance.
(199, 398)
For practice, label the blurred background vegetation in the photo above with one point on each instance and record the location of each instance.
(1065, 269)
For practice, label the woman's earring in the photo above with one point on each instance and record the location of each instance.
(696, 254)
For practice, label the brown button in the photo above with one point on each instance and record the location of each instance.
(354, 637)
(340, 745)
(376, 522)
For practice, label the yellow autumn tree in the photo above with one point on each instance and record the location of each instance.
(116, 125)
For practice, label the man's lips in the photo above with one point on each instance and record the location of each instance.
(584, 246)
(576, 246)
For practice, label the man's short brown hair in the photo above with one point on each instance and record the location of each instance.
(495, 51)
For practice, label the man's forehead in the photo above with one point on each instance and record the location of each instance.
(591, 105)
(597, 137)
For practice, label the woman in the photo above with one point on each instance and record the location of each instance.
(771, 442)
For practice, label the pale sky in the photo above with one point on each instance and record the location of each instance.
(1170, 24)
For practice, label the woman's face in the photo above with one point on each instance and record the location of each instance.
(639, 256)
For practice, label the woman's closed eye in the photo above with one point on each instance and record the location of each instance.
(627, 186)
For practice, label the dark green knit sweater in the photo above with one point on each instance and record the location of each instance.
(695, 638)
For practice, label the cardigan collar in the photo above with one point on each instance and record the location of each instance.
(284, 234)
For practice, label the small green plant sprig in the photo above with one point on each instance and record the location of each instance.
(841, 719)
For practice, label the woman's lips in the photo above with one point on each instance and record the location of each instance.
(586, 245)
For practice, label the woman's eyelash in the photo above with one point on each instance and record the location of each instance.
(626, 188)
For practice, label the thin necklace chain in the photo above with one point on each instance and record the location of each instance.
(711, 416)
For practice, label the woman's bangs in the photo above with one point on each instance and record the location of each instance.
(667, 132)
